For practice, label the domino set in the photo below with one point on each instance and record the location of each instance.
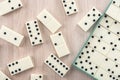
(100, 55)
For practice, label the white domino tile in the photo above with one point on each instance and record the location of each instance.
(7, 6)
(36, 77)
(34, 32)
(89, 19)
(103, 75)
(49, 21)
(60, 44)
(57, 65)
(69, 6)
(20, 65)
(3, 76)
(11, 36)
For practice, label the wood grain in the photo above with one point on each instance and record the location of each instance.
(74, 36)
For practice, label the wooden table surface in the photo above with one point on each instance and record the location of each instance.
(74, 36)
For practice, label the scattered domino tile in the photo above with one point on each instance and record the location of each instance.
(90, 19)
(3, 76)
(49, 21)
(114, 10)
(70, 6)
(60, 44)
(57, 65)
(34, 32)
(100, 56)
(9, 5)
(36, 77)
(10, 36)
(21, 65)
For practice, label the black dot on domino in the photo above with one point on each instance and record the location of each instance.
(28, 24)
(55, 44)
(38, 33)
(68, 12)
(45, 17)
(47, 61)
(115, 22)
(15, 38)
(31, 35)
(118, 32)
(75, 10)
(16, 62)
(60, 63)
(9, 1)
(106, 21)
(56, 69)
(106, 59)
(28, 27)
(9, 65)
(92, 36)
(36, 25)
(61, 74)
(16, 71)
(19, 69)
(33, 42)
(72, 3)
(93, 9)
(119, 39)
(54, 58)
(4, 33)
(12, 72)
(40, 40)
(35, 38)
(30, 31)
(59, 34)
(12, 8)
(37, 29)
(35, 22)
(63, 1)
(19, 5)
(88, 15)
(108, 32)
(101, 75)
(6, 79)
(94, 15)
(99, 14)
(98, 26)
(86, 69)
(52, 66)
(92, 73)
(76, 63)
(114, 2)
(85, 23)
(94, 20)
(70, 7)
(65, 5)
(13, 64)
(108, 26)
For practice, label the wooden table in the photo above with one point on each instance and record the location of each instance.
(74, 36)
